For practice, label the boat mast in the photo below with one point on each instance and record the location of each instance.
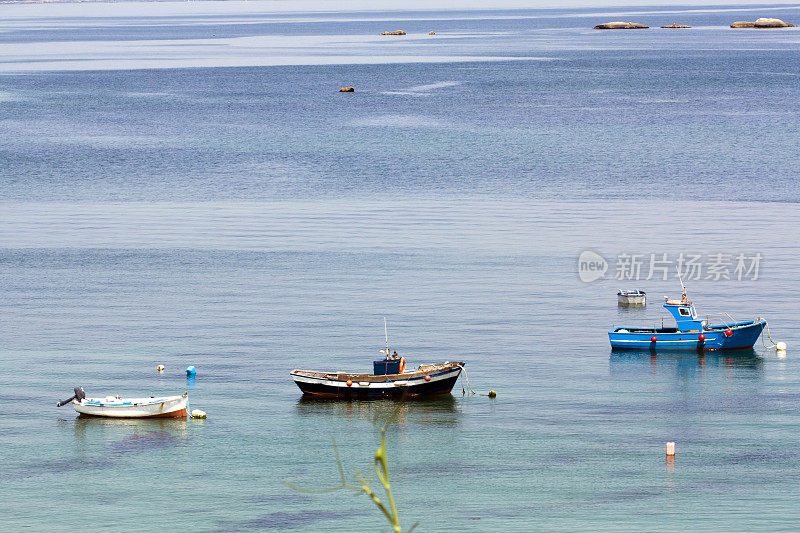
(386, 334)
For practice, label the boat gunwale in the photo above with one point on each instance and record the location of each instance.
(716, 327)
(130, 402)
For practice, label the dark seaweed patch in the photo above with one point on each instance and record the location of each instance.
(562, 459)
(146, 441)
(280, 498)
(755, 456)
(287, 520)
(630, 495)
(58, 466)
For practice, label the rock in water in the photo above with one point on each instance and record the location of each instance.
(743, 24)
(676, 26)
(347, 90)
(396, 32)
(771, 23)
(620, 26)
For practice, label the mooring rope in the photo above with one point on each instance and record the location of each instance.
(769, 336)
(465, 378)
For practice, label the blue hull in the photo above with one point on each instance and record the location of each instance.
(743, 335)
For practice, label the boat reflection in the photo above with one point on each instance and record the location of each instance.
(441, 410)
(625, 312)
(745, 361)
(132, 434)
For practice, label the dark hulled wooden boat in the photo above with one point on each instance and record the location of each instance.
(395, 383)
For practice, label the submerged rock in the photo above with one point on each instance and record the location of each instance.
(676, 26)
(771, 23)
(743, 24)
(620, 26)
(396, 32)
(347, 90)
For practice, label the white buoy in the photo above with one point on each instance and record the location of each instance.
(671, 448)
(197, 413)
(781, 346)
(160, 368)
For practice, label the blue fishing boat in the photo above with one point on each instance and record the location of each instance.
(691, 332)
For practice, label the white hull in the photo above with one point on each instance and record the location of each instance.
(114, 407)
(631, 299)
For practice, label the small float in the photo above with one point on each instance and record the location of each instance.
(691, 332)
(116, 407)
(631, 297)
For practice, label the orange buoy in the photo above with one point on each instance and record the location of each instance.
(728, 332)
(427, 378)
(402, 364)
(653, 338)
(349, 383)
(702, 337)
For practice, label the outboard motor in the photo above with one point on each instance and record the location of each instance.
(79, 395)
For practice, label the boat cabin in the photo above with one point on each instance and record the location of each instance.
(383, 367)
(685, 315)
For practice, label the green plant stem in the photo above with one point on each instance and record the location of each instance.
(382, 471)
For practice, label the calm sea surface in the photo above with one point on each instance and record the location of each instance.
(244, 217)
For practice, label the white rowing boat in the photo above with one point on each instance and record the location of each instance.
(116, 407)
(631, 297)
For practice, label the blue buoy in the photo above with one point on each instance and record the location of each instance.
(191, 371)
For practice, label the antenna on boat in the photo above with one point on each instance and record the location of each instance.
(684, 298)
(386, 334)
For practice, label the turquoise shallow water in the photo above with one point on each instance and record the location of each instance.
(249, 221)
